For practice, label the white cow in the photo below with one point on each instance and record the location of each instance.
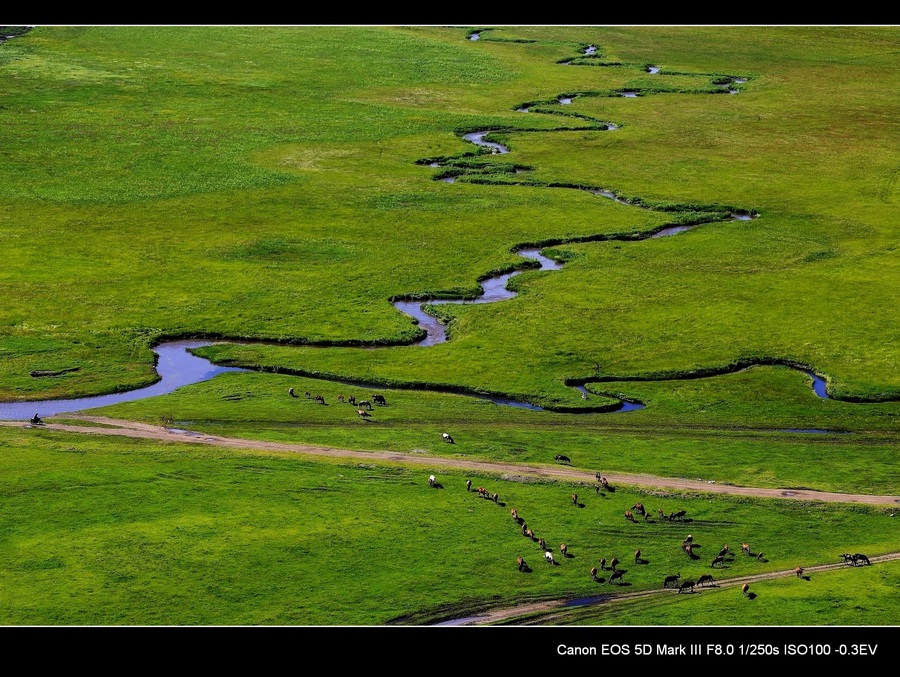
(431, 480)
(549, 557)
(447, 438)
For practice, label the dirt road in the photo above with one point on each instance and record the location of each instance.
(125, 428)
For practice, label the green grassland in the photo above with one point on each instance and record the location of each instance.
(271, 183)
(104, 532)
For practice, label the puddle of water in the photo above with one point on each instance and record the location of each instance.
(741, 217)
(592, 49)
(819, 385)
(672, 230)
(434, 164)
(628, 95)
(475, 36)
(523, 109)
(653, 70)
(565, 100)
(478, 139)
(448, 179)
(816, 431)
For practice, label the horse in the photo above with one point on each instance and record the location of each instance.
(379, 399)
(446, 438)
(629, 516)
(615, 576)
(559, 458)
(705, 579)
(671, 579)
(687, 585)
(362, 413)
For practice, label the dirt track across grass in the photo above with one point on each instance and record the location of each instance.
(123, 428)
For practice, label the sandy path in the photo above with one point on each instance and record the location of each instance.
(546, 608)
(125, 428)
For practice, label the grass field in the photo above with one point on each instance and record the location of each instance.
(273, 184)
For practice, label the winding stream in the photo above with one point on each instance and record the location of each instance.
(177, 367)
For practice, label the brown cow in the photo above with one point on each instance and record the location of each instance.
(564, 549)
(594, 574)
(320, 399)
(615, 576)
(602, 564)
(542, 543)
(718, 559)
(671, 579)
(529, 534)
(575, 499)
(341, 398)
(637, 556)
(745, 588)
(629, 516)
(687, 585)
(351, 399)
(469, 488)
(363, 413)
(639, 508)
(515, 514)
(799, 572)
(614, 563)
(705, 579)
(745, 547)
(521, 562)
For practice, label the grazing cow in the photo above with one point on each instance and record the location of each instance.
(687, 585)
(362, 413)
(562, 459)
(292, 393)
(351, 399)
(597, 489)
(677, 515)
(495, 497)
(521, 562)
(594, 574)
(529, 534)
(629, 516)
(604, 483)
(548, 557)
(615, 576)
(639, 508)
(379, 399)
(602, 564)
(798, 571)
(860, 559)
(647, 516)
(723, 552)
(660, 513)
(759, 557)
(705, 580)
(688, 548)
(564, 549)
(366, 404)
(745, 547)
(745, 589)
(614, 563)
(718, 559)
(574, 499)
(308, 395)
(542, 543)
(431, 480)
(689, 539)
(598, 476)
(637, 556)
(524, 528)
(671, 579)
(513, 512)
(320, 399)
(341, 398)
(848, 558)
(469, 488)
(446, 438)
